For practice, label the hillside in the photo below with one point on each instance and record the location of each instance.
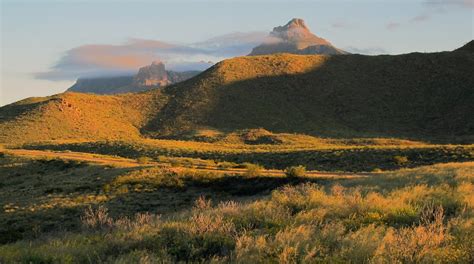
(77, 116)
(420, 96)
(411, 95)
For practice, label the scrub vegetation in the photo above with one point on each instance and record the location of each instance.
(421, 215)
(260, 159)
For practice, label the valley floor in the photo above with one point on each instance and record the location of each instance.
(171, 201)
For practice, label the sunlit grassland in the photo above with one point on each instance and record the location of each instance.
(420, 215)
(292, 150)
(43, 194)
(167, 200)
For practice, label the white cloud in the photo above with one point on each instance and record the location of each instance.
(111, 60)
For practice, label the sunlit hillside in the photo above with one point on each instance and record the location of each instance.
(419, 96)
(78, 116)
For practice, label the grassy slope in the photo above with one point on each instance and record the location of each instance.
(412, 95)
(421, 96)
(78, 116)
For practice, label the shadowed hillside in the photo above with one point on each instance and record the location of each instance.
(412, 95)
(422, 96)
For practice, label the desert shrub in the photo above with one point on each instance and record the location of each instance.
(396, 217)
(152, 177)
(201, 237)
(360, 245)
(226, 165)
(418, 244)
(202, 203)
(144, 160)
(295, 171)
(253, 170)
(258, 215)
(376, 170)
(96, 218)
(400, 160)
(290, 245)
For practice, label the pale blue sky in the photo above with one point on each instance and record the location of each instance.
(35, 35)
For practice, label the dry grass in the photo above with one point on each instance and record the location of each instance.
(78, 116)
(317, 154)
(422, 215)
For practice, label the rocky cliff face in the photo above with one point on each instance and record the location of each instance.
(295, 37)
(152, 75)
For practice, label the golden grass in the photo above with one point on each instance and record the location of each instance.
(357, 155)
(77, 116)
(421, 215)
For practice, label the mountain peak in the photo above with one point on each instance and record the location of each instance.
(152, 75)
(294, 23)
(156, 62)
(295, 37)
(296, 30)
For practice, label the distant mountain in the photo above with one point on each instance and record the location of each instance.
(148, 77)
(296, 38)
(425, 96)
(103, 85)
(152, 75)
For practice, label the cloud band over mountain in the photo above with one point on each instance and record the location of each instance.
(112, 60)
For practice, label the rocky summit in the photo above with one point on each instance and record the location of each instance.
(152, 75)
(148, 77)
(295, 37)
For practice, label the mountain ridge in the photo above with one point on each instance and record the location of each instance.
(416, 95)
(148, 77)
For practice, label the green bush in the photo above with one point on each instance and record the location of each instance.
(295, 171)
(253, 170)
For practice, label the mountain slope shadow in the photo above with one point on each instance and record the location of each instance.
(413, 95)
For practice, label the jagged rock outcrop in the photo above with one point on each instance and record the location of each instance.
(148, 77)
(152, 75)
(295, 37)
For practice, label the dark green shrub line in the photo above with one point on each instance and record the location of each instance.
(354, 160)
